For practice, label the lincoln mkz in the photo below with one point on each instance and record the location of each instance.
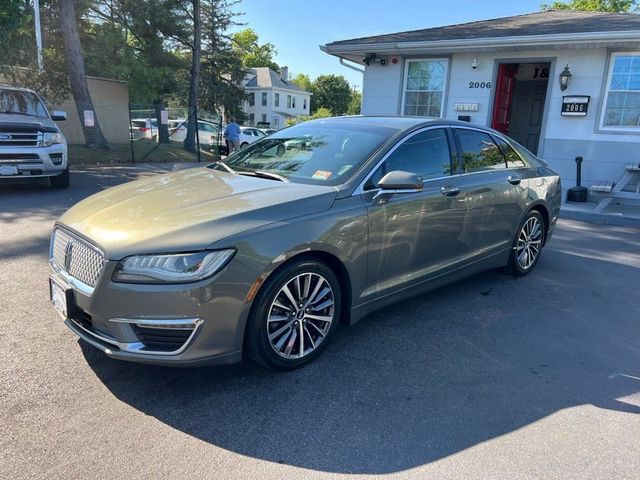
(318, 224)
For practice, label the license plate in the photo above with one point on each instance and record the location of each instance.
(8, 170)
(58, 296)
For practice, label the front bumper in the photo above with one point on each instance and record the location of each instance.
(30, 162)
(173, 325)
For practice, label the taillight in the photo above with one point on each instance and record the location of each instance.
(144, 129)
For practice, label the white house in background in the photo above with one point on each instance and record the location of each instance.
(512, 74)
(273, 98)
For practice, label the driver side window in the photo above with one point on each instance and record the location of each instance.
(426, 154)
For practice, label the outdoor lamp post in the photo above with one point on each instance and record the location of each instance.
(565, 77)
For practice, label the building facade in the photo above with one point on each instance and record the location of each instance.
(563, 84)
(272, 98)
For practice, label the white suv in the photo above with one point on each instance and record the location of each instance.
(31, 144)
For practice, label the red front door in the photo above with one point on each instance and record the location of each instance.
(504, 95)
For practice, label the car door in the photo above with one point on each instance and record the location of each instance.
(491, 192)
(413, 236)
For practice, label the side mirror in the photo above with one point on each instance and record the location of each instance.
(399, 182)
(58, 116)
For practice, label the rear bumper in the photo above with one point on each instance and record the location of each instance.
(35, 162)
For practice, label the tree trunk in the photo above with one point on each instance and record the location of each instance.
(163, 129)
(77, 78)
(192, 125)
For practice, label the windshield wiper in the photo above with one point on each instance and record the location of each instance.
(274, 176)
(13, 112)
(225, 166)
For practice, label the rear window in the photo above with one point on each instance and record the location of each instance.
(513, 159)
(138, 123)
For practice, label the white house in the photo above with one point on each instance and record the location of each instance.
(273, 98)
(562, 83)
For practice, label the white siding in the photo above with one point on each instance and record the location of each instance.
(563, 138)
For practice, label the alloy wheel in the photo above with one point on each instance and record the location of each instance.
(300, 315)
(529, 243)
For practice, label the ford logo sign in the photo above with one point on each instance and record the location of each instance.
(4, 136)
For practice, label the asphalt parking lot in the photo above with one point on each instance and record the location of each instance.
(492, 377)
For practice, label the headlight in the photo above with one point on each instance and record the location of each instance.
(180, 268)
(52, 139)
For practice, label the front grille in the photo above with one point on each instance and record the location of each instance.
(20, 158)
(162, 339)
(20, 139)
(77, 257)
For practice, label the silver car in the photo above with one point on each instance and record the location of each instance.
(316, 225)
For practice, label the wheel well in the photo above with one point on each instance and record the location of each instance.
(545, 216)
(336, 265)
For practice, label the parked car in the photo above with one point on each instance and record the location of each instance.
(207, 132)
(143, 129)
(266, 253)
(31, 144)
(248, 135)
(268, 131)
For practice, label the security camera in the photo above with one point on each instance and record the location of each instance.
(475, 64)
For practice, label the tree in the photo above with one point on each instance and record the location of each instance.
(355, 103)
(252, 53)
(194, 80)
(619, 6)
(303, 81)
(77, 77)
(332, 92)
(222, 69)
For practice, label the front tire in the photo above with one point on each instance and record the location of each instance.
(60, 181)
(527, 245)
(295, 315)
(243, 144)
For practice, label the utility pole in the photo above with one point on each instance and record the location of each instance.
(36, 18)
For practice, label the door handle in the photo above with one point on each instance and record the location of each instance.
(450, 191)
(514, 179)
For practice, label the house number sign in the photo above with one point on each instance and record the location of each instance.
(575, 105)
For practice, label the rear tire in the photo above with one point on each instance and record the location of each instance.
(527, 245)
(294, 315)
(244, 144)
(60, 181)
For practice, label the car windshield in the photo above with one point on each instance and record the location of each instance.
(20, 102)
(314, 153)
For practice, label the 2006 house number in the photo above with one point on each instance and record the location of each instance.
(479, 84)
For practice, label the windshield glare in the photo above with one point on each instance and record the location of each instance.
(25, 103)
(319, 154)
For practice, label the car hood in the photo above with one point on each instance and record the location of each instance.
(45, 124)
(188, 210)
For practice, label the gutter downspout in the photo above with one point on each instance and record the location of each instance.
(350, 66)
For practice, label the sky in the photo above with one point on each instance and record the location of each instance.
(298, 27)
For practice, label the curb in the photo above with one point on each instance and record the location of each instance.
(602, 218)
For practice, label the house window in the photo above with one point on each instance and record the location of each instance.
(304, 103)
(252, 118)
(276, 100)
(424, 84)
(288, 101)
(264, 99)
(264, 117)
(276, 122)
(622, 99)
(293, 102)
(252, 99)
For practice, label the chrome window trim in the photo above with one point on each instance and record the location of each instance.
(360, 188)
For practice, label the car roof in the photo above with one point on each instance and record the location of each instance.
(7, 86)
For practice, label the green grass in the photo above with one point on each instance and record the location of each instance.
(144, 151)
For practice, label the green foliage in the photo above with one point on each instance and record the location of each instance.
(620, 6)
(320, 113)
(252, 53)
(355, 103)
(303, 81)
(332, 92)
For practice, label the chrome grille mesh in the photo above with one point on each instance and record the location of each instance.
(77, 257)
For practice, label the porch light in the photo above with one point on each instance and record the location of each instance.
(565, 77)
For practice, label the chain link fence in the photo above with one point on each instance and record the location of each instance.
(126, 133)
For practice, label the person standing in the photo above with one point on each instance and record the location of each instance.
(232, 134)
